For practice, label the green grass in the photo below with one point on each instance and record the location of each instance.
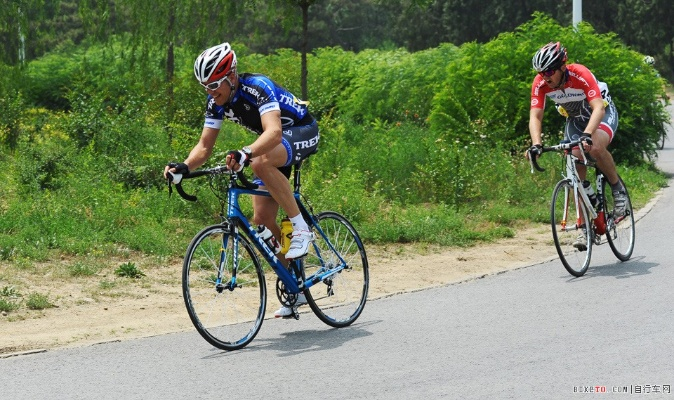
(81, 268)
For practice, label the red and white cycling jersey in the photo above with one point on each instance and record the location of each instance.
(580, 88)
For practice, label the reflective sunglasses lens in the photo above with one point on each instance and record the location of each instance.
(213, 85)
(548, 73)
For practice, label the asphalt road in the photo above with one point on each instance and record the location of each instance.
(531, 333)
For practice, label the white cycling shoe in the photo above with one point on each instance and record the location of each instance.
(299, 244)
(285, 312)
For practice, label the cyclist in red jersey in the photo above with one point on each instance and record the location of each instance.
(589, 111)
(587, 106)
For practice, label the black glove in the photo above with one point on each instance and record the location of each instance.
(240, 157)
(586, 138)
(180, 168)
(535, 151)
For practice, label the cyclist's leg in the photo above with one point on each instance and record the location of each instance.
(297, 144)
(300, 142)
(266, 167)
(572, 131)
(599, 151)
(601, 138)
(265, 210)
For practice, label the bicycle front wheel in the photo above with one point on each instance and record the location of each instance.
(620, 230)
(338, 263)
(571, 229)
(224, 288)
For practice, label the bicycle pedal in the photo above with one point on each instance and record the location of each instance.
(295, 314)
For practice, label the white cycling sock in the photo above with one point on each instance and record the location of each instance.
(299, 223)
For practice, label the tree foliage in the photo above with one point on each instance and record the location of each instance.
(428, 133)
(33, 27)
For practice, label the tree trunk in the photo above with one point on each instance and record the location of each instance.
(305, 43)
(170, 70)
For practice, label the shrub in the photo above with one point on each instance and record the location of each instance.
(38, 301)
(486, 90)
(129, 270)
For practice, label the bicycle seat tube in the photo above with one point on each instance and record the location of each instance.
(234, 213)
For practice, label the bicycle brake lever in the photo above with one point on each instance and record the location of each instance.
(176, 179)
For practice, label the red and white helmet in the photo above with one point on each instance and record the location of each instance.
(215, 63)
(549, 57)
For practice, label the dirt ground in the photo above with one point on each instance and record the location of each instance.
(82, 316)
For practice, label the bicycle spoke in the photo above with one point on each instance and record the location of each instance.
(340, 297)
(569, 220)
(620, 230)
(226, 306)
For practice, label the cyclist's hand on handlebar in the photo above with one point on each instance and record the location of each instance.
(587, 142)
(534, 151)
(236, 160)
(175, 168)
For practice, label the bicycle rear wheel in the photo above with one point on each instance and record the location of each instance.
(569, 219)
(226, 308)
(620, 231)
(337, 261)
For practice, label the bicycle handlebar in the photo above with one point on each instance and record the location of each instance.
(564, 145)
(176, 179)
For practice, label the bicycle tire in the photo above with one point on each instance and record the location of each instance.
(661, 143)
(564, 204)
(339, 299)
(226, 316)
(620, 235)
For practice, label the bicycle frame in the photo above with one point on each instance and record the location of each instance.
(235, 217)
(571, 173)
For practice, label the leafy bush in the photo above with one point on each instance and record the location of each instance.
(44, 167)
(11, 111)
(486, 90)
(410, 142)
(395, 86)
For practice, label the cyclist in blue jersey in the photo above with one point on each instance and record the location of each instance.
(286, 134)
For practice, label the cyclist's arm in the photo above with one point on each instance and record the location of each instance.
(271, 135)
(598, 111)
(536, 125)
(203, 150)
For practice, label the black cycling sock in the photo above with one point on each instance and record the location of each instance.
(618, 186)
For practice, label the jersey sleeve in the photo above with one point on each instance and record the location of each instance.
(589, 83)
(263, 90)
(213, 114)
(538, 93)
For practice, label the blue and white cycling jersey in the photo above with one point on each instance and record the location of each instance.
(257, 95)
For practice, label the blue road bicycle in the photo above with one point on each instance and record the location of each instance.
(224, 282)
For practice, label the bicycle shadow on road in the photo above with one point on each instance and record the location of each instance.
(620, 270)
(299, 342)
